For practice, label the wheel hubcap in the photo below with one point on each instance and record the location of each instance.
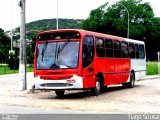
(132, 80)
(97, 87)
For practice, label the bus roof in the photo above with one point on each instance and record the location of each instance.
(85, 32)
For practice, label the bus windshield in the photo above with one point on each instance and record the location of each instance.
(57, 55)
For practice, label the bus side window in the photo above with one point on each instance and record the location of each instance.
(125, 52)
(137, 51)
(88, 51)
(141, 52)
(109, 48)
(117, 49)
(100, 47)
(131, 50)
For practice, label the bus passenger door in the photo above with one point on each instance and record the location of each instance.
(87, 62)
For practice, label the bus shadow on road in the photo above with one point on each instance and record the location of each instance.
(89, 94)
(117, 88)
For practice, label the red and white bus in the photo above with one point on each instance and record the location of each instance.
(71, 59)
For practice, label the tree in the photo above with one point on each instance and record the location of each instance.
(13, 61)
(4, 46)
(30, 51)
(152, 36)
(114, 20)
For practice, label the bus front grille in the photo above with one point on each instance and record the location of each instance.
(55, 85)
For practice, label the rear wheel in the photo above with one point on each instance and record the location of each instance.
(59, 93)
(131, 83)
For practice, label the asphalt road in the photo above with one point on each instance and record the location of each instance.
(31, 110)
(144, 98)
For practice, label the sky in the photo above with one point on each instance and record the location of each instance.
(47, 9)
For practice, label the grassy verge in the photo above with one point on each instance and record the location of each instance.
(152, 68)
(4, 69)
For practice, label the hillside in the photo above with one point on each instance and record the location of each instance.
(49, 24)
(34, 27)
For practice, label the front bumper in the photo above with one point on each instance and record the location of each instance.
(74, 82)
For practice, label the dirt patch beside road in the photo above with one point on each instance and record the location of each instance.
(144, 98)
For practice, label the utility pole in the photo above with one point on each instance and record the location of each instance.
(22, 55)
(57, 14)
(158, 63)
(128, 18)
(11, 51)
(11, 39)
(12, 26)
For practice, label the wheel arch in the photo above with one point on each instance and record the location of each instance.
(101, 78)
(133, 72)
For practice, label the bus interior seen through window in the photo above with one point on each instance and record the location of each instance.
(117, 49)
(88, 50)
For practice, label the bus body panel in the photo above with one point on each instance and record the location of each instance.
(115, 71)
(139, 67)
(109, 74)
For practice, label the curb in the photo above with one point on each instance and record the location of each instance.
(150, 77)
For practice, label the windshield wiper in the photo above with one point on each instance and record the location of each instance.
(57, 51)
(63, 46)
(44, 49)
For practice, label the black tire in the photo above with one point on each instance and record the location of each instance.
(125, 85)
(130, 84)
(59, 93)
(96, 90)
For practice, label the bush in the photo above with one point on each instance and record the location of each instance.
(152, 68)
(13, 62)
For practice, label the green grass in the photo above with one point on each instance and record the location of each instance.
(152, 68)
(4, 69)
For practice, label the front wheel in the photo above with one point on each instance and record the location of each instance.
(96, 90)
(59, 93)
